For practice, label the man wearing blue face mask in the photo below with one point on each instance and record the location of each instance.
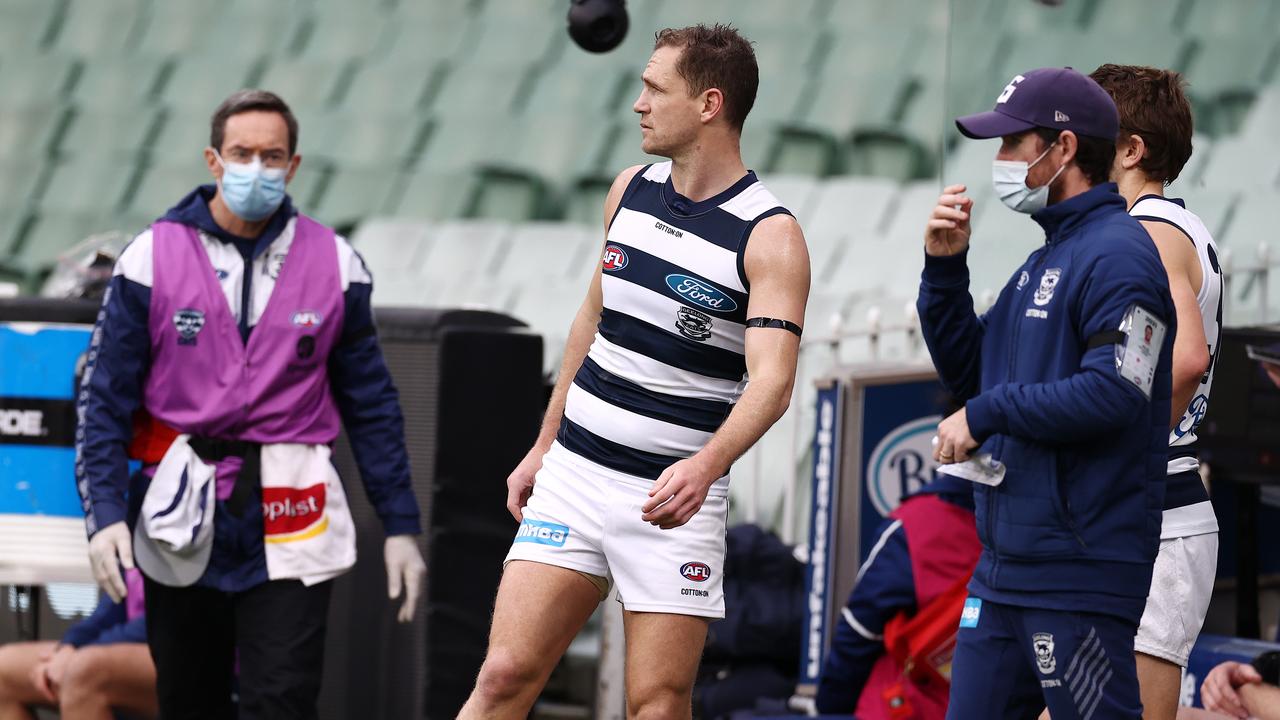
(235, 338)
(1066, 382)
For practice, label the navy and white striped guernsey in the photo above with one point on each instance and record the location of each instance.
(668, 361)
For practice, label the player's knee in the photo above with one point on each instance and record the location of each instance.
(505, 675)
(86, 675)
(659, 701)
(15, 666)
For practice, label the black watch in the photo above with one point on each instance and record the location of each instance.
(1268, 666)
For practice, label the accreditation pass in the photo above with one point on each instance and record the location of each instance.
(1137, 359)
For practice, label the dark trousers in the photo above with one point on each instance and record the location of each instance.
(270, 638)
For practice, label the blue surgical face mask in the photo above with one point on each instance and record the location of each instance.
(1009, 177)
(252, 191)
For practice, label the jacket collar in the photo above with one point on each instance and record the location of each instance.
(193, 211)
(1060, 219)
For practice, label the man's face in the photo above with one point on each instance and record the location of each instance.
(669, 117)
(255, 133)
(1026, 147)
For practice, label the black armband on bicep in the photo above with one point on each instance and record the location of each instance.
(764, 322)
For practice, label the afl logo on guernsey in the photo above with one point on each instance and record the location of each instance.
(306, 318)
(614, 258)
(696, 571)
(701, 293)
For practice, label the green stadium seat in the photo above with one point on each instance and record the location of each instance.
(427, 38)
(472, 294)
(549, 311)
(797, 193)
(118, 82)
(1225, 19)
(1224, 75)
(19, 182)
(162, 186)
(31, 132)
(25, 25)
(1212, 206)
(354, 192)
(176, 27)
(306, 85)
(199, 83)
(969, 164)
(585, 84)
(464, 249)
(512, 197)
(518, 41)
(34, 80)
(1160, 19)
(845, 209)
(463, 141)
(92, 184)
(556, 147)
(1259, 125)
(1034, 20)
(1086, 50)
(12, 217)
(252, 30)
(547, 251)
(391, 86)
(784, 49)
(473, 88)
(1236, 164)
(182, 137)
(584, 201)
(95, 28)
(120, 132)
(391, 247)
(891, 17)
(361, 138)
(341, 33)
(52, 234)
(779, 98)
(436, 194)
(1252, 223)
(907, 220)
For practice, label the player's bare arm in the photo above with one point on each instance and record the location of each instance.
(1190, 347)
(581, 334)
(777, 267)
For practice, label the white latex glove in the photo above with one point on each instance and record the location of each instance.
(405, 568)
(109, 548)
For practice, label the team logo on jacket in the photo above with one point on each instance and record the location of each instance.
(1042, 644)
(615, 258)
(188, 323)
(696, 571)
(700, 293)
(306, 318)
(693, 324)
(1023, 279)
(1048, 282)
(274, 265)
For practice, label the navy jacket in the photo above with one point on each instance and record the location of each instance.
(120, 357)
(1076, 523)
(108, 624)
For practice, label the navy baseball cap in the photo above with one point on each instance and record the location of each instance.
(1056, 98)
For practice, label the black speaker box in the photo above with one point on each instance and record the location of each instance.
(472, 394)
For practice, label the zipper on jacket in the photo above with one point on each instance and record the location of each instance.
(246, 285)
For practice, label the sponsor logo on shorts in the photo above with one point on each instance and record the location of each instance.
(695, 592)
(702, 294)
(971, 613)
(1042, 644)
(615, 258)
(696, 571)
(542, 533)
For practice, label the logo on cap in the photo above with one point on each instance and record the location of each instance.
(1059, 116)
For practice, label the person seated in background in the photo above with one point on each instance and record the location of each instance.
(906, 602)
(1240, 690)
(101, 665)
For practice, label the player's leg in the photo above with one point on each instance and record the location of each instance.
(553, 580)
(663, 651)
(990, 677)
(102, 678)
(16, 689)
(539, 610)
(1181, 586)
(280, 631)
(1083, 662)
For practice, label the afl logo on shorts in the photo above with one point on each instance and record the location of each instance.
(614, 258)
(695, 571)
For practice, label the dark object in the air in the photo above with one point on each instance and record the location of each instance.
(598, 26)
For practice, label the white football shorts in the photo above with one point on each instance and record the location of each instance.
(1181, 585)
(586, 517)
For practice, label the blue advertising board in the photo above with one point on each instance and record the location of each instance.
(823, 516)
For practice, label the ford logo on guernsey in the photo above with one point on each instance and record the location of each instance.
(542, 533)
(696, 571)
(701, 293)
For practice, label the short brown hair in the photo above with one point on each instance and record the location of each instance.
(1094, 156)
(716, 56)
(1153, 105)
(243, 101)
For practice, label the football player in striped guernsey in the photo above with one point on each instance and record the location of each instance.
(701, 287)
